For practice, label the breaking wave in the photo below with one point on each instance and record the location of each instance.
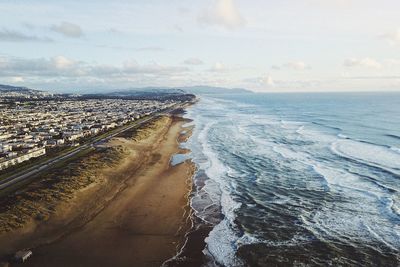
(280, 182)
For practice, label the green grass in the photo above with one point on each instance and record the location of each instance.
(61, 163)
(46, 171)
(37, 196)
(20, 168)
(32, 162)
(39, 193)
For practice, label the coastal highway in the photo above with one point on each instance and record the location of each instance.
(18, 177)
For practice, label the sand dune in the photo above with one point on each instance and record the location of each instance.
(139, 221)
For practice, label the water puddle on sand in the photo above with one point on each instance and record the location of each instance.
(178, 159)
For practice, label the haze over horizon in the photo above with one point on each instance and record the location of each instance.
(264, 46)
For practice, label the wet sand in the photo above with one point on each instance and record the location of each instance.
(141, 222)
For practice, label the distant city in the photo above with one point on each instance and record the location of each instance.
(34, 122)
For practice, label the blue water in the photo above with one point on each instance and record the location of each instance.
(300, 179)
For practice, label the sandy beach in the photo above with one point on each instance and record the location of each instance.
(137, 215)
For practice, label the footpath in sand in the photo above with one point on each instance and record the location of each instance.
(140, 222)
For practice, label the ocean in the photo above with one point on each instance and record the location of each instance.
(298, 179)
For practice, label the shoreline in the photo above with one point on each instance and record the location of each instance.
(129, 227)
(192, 252)
(204, 216)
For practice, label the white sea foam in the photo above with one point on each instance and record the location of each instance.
(345, 180)
(300, 129)
(368, 153)
(395, 207)
(291, 154)
(349, 219)
(220, 243)
(335, 223)
(395, 149)
(366, 210)
(291, 124)
(221, 239)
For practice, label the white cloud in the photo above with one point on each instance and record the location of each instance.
(219, 67)
(70, 74)
(132, 67)
(183, 11)
(363, 62)
(223, 13)
(227, 69)
(392, 62)
(14, 36)
(267, 83)
(260, 83)
(178, 28)
(267, 80)
(29, 26)
(150, 48)
(341, 4)
(297, 65)
(377, 77)
(17, 79)
(61, 62)
(138, 49)
(68, 29)
(62, 67)
(392, 37)
(113, 30)
(193, 61)
(293, 65)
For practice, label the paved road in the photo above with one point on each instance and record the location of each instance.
(18, 177)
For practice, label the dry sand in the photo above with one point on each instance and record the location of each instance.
(141, 221)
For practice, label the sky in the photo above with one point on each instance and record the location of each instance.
(261, 45)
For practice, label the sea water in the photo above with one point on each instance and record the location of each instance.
(299, 179)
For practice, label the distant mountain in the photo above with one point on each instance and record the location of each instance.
(210, 90)
(9, 91)
(8, 88)
(197, 90)
(147, 91)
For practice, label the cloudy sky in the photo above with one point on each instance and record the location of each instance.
(262, 45)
